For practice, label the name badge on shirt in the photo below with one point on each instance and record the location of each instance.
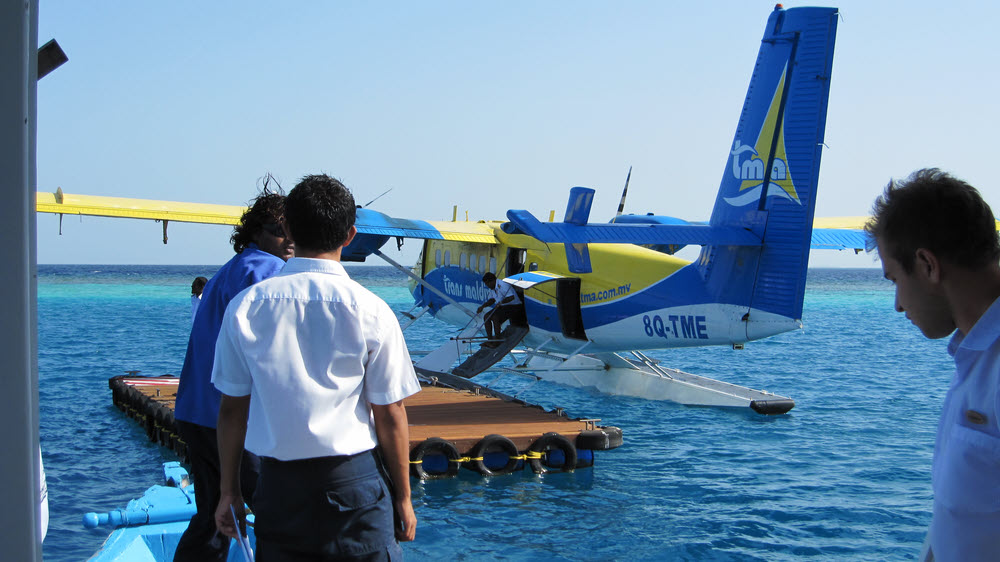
(975, 417)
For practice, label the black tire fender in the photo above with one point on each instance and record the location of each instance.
(492, 443)
(432, 446)
(602, 439)
(552, 440)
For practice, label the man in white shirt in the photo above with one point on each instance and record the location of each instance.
(937, 240)
(313, 370)
(506, 302)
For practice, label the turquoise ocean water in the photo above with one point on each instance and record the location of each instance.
(845, 475)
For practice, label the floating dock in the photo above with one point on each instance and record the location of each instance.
(454, 423)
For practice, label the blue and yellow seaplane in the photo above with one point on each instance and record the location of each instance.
(598, 295)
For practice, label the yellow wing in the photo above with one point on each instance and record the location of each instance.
(124, 207)
(368, 222)
(854, 223)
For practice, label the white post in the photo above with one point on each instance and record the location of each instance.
(18, 325)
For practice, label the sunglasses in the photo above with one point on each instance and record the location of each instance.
(274, 229)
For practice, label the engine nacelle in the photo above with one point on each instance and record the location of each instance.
(654, 219)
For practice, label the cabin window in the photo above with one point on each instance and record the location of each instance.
(463, 261)
(447, 258)
(493, 265)
(437, 258)
(482, 264)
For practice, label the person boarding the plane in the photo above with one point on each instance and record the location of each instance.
(937, 240)
(313, 370)
(506, 302)
(261, 250)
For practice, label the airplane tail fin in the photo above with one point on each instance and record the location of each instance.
(755, 249)
(769, 184)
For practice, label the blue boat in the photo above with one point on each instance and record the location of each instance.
(149, 527)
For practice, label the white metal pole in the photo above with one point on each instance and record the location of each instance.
(18, 326)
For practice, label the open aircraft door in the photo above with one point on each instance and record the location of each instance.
(566, 297)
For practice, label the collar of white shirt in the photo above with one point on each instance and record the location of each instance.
(311, 265)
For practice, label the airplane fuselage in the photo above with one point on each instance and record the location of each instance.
(634, 298)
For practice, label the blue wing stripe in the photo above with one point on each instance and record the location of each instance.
(374, 222)
(838, 239)
(631, 233)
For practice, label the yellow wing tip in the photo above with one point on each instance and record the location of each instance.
(148, 209)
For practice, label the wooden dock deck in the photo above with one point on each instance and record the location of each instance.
(453, 422)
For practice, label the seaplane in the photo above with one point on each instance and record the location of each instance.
(598, 296)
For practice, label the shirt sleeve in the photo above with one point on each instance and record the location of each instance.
(230, 372)
(389, 374)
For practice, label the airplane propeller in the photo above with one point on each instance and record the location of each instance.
(621, 204)
(377, 198)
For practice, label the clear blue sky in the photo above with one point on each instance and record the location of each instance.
(484, 105)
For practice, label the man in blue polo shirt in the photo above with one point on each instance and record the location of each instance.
(261, 251)
(937, 240)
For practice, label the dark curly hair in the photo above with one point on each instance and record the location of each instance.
(319, 213)
(267, 208)
(939, 212)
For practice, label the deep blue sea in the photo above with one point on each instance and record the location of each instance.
(845, 475)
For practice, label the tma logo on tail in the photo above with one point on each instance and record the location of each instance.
(749, 162)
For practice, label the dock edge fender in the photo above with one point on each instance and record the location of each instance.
(602, 439)
(548, 442)
(494, 443)
(434, 446)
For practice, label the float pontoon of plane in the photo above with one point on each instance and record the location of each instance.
(597, 295)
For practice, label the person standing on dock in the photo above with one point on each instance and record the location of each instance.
(261, 250)
(937, 241)
(313, 370)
